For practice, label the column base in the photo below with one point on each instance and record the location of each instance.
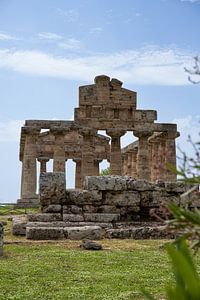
(28, 202)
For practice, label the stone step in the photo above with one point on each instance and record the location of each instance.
(44, 217)
(72, 233)
(19, 225)
(140, 233)
(101, 217)
(85, 217)
(62, 224)
(28, 203)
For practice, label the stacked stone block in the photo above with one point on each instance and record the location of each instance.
(110, 206)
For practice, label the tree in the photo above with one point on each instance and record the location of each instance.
(195, 70)
(105, 172)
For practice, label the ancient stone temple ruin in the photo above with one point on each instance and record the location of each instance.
(104, 105)
(118, 205)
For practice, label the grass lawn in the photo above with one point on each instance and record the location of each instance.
(61, 270)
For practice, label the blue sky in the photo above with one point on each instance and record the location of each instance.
(48, 48)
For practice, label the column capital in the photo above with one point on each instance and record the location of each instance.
(172, 134)
(99, 160)
(76, 160)
(43, 159)
(87, 131)
(115, 132)
(144, 134)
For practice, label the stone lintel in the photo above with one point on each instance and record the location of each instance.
(59, 130)
(28, 130)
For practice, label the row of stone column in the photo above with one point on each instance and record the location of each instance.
(153, 158)
(148, 162)
(87, 165)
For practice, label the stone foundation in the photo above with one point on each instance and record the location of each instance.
(110, 206)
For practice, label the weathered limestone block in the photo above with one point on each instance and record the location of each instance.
(125, 198)
(73, 218)
(121, 233)
(19, 225)
(83, 197)
(32, 202)
(133, 209)
(82, 224)
(103, 183)
(72, 209)
(101, 217)
(52, 208)
(46, 224)
(106, 209)
(90, 208)
(44, 233)
(52, 188)
(85, 232)
(158, 232)
(177, 187)
(138, 233)
(45, 217)
(139, 185)
(1, 239)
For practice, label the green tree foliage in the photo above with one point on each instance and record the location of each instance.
(186, 223)
(105, 172)
(187, 281)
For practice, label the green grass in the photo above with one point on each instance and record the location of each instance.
(11, 210)
(63, 271)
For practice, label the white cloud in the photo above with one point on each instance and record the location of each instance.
(70, 15)
(64, 43)
(144, 66)
(96, 30)
(49, 36)
(10, 130)
(70, 44)
(7, 37)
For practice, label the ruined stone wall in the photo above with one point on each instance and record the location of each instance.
(109, 206)
(106, 199)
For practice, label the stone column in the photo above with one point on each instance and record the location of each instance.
(170, 158)
(78, 174)
(88, 153)
(29, 175)
(96, 166)
(43, 164)
(161, 169)
(129, 163)
(59, 149)
(115, 152)
(143, 166)
(154, 160)
(134, 163)
(123, 164)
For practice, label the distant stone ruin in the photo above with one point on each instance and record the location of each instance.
(104, 105)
